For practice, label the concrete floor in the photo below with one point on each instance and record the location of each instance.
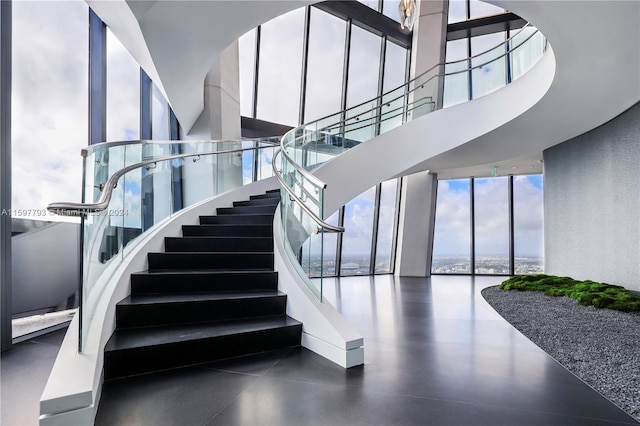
(435, 352)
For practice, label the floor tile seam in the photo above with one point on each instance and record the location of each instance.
(242, 392)
(258, 378)
(432, 398)
(204, 367)
(477, 404)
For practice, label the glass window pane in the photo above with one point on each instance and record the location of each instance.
(247, 64)
(324, 65)
(457, 11)
(356, 240)
(159, 115)
(452, 238)
(479, 9)
(456, 84)
(395, 66)
(280, 68)
(364, 61)
(492, 225)
(49, 102)
(390, 9)
(311, 260)
(123, 92)
(373, 4)
(528, 223)
(491, 71)
(386, 226)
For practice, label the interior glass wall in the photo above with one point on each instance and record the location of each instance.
(452, 237)
(280, 68)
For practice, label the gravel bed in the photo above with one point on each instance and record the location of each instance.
(600, 346)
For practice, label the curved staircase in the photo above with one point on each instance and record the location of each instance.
(212, 294)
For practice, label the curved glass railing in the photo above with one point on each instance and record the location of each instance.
(317, 142)
(130, 187)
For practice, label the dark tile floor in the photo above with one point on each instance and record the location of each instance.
(24, 371)
(435, 352)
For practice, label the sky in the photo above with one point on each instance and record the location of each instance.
(453, 215)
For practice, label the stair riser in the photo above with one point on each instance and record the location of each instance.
(258, 219)
(273, 201)
(147, 315)
(201, 283)
(246, 210)
(160, 357)
(271, 195)
(227, 230)
(229, 244)
(210, 261)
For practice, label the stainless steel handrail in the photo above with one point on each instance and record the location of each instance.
(91, 148)
(322, 225)
(77, 209)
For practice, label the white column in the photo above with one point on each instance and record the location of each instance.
(415, 228)
(220, 120)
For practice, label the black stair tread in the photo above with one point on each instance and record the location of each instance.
(149, 299)
(132, 338)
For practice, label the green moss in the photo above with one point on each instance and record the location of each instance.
(587, 293)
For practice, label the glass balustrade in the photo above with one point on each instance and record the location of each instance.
(317, 142)
(176, 175)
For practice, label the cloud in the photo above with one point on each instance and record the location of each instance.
(452, 234)
(49, 102)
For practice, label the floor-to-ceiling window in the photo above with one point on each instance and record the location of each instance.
(49, 102)
(280, 68)
(489, 225)
(452, 237)
(528, 215)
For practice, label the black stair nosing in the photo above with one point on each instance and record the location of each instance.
(151, 299)
(133, 338)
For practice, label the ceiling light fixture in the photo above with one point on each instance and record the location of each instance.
(407, 9)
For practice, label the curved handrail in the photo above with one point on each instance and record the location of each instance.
(102, 145)
(77, 209)
(323, 226)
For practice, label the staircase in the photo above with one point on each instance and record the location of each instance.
(212, 294)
